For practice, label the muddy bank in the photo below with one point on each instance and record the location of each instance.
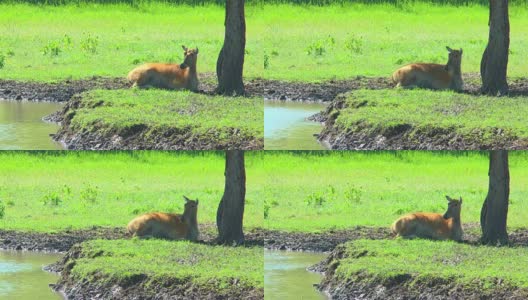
(56, 92)
(55, 242)
(141, 286)
(62, 241)
(327, 90)
(407, 137)
(326, 241)
(63, 90)
(407, 286)
(141, 137)
(320, 242)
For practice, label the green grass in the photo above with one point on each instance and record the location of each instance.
(477, 119)
(212, 267)
(54, 191)
(319, 191)
(203, 117)
(374, 40)
(477, 267)
(111, 39)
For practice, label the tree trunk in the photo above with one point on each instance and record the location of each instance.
(230, 63)
(230, 212)
(494, 213)
(494, 63)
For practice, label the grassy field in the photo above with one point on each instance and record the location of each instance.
(212, 119)
(334, 190)
(373, 40)
(53, 43)
(211, 267)
(54, 191)
(474, 267)
(427, 112)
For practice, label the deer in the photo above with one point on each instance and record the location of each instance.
(432, 225)
(168, 76)
(432, 76)
(166, 225)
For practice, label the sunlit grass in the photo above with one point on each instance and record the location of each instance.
(54, 191)
(319, 191)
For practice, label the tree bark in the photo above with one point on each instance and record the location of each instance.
(229, 217)
(230, 63)
(494, 213)
(494, 63)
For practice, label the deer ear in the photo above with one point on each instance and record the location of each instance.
(460, 200)
(449, 49)
(184, 48)
(196, 50)
(186, 199)
(448, 198)
(461, 51)
(197, 201)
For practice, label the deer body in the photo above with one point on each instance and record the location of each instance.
(432, 225)
(432, 76)
(168, 76)
(167, 226)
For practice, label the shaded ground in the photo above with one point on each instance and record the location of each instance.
(328, 90)
(62, 241)
(64, 90)
(326, 241)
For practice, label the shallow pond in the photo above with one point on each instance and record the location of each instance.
(22, 277)
(286, 127)
(286, 277)
(22, 128)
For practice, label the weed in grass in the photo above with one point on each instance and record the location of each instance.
(2, 210)
(89, 44)
(266, 209)
(52, 48)
(353, 194)
(89, 194)
(266, 61)
(354, 44)
(319, 47)
(52, 198)
(2, 60)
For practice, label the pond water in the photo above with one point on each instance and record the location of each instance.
(286, 127)
(286, 277)
(22, 277)
(22, 128)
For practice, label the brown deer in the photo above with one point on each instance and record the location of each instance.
(168, 76)
(432, 225)
(168, 226)
(432, 76)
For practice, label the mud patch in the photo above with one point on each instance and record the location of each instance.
(326, 91)
(63, 90)
(326, 241)
(320, 242)
(62, 241)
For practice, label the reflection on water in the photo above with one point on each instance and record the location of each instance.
(22, 277)
(285, 127)
(286, 277)
(22, 128)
